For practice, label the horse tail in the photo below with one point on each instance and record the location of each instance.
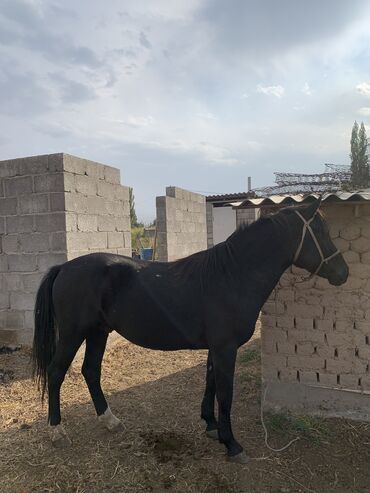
(45, 335)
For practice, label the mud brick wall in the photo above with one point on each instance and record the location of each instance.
(316, 337)
(181, 224)
(52, 208)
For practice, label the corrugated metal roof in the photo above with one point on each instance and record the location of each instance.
(340, 196)
(229, 196)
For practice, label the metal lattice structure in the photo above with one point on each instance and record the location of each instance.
(333, 179)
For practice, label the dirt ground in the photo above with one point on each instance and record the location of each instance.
(163, 447)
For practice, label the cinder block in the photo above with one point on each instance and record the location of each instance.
(95, 170)
(11, 320)
(74, 164)
(10, 243)
(59, 242)
(18, 186)
(4, 301)
(112, 175)
(32, 165)
(87, 222)
(8, 168)
(285, 321)
(2, 225)
(47, 260)
(19, 224)
(272, 308)
(22, 263)
(127, 239)
(115, 240)
(69, 182)
(55, 162)
(86, 185)
(34, 242)
(274, 361)
(308, 377)
(34, 203)
(50, 182)
(3, 262)
(97, 240)
(70, 221)
(77, 241)
(285, 348)
(306, 348)
(303, 310)
(8, 206)
(313, 336)
(29, 319)
(31, 282)
(50, 222)
(109, 223)
(57, 201)
(22, 301)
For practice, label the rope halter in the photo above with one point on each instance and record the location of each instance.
(307, 227)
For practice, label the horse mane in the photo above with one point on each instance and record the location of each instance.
(220, 258)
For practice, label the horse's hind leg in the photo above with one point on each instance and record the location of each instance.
(66, 350)
(91, 369)
(208, 402)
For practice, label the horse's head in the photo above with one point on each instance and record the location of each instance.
(315, 251)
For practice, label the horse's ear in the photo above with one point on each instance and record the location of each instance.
(311, 210)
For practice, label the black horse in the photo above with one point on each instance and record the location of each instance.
(209, 300)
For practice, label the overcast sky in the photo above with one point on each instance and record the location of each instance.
(194, 93)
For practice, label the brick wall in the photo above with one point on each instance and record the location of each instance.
(52, 208)
(316, 337)
(181, 224)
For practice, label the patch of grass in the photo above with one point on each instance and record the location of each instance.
(248, 356)
(308, 427)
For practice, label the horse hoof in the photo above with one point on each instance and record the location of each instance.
(213, 434)
(59, 437)
(241, 458)
(110, 421)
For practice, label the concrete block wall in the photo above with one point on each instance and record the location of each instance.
(52, 208)
(96, 207)
(316, 337)
(246, 216)
(209, 219)
(181, 224)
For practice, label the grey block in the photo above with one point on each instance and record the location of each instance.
(47, 260)
(55, 162)
(87, 222)
(33, 203)
(50, 222)
(8, 206)
(112, 175)
(115, 240)
(32, 165)
(97, 240)
(108, 223)
(10, 244)
(74, 164)
(19, 224)
(31, 282)
(18, 185)
(22, 262)
(29, 318)
(4, 301)
(2, 225)
(2, 191)
(95, 170)
(11, 320)
(127, 239)
(59, 242)
(57, 201)
(22, 301)
(34, 242)
(77, 241)
(8, 168)
(86, 185)
(3, 263)
(53, 182)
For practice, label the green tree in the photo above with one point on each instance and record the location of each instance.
(133, 216)
(359, 158)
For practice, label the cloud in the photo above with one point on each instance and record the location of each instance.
(277, 91)
(364, 111)
(306, 89)
(71, 91)
(144, 41)
(364, 89)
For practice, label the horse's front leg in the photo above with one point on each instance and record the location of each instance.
(224, 368)
(208, 402)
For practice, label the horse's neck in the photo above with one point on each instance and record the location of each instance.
(263, 254)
